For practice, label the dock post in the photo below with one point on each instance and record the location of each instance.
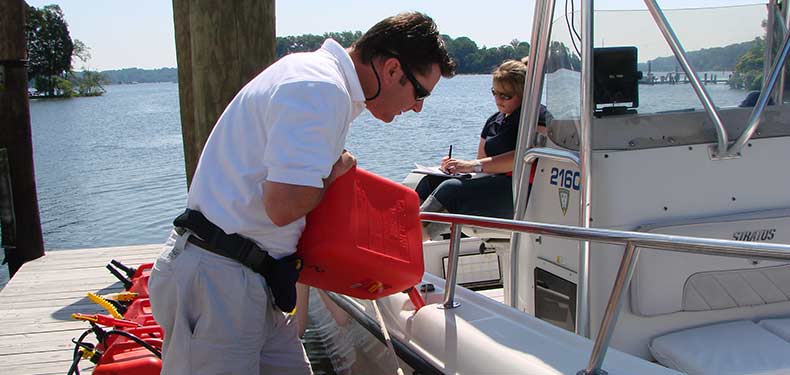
(220, 46)
(19, 217)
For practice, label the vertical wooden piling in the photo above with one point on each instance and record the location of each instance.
(220, 46)
(21, 224)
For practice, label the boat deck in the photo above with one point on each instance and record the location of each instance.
(497, 294)
(36, 327)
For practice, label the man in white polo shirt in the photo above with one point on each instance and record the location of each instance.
(228, 271)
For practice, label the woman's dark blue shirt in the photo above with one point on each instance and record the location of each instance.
(501, 132)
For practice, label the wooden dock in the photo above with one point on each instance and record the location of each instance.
(36, 327)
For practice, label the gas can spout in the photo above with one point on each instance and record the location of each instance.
(415, 298)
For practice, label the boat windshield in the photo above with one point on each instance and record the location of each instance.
(725, 46)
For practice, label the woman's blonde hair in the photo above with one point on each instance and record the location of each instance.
(511, 74)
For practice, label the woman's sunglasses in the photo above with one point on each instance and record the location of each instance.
(500, 95)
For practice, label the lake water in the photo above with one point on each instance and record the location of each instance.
(110, 169)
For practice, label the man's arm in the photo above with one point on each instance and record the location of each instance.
(285, 203)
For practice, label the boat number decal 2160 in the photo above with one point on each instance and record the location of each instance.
(565, 179)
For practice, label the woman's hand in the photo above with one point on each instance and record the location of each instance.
(458, 166)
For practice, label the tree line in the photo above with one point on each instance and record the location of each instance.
(748, 72)
(137, 75)
(706, 59)
(744, 60)
(52, 53)
(471, 58)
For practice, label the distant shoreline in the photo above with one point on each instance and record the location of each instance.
(133, 76)
(137, 75)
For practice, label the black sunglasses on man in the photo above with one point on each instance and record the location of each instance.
(420, 93)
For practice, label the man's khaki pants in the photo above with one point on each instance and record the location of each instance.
(218, 316)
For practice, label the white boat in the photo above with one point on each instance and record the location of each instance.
(652, 242)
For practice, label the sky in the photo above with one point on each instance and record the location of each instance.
(123, 34)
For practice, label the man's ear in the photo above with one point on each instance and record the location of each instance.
(391, 70)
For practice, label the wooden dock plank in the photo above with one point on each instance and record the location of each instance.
(45, 295)
(39, 342)
(36, 305)
(62, 358)
(38, 327)
(44, 368)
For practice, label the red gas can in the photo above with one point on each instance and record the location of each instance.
(128, 358)
(140, 286)
(143, 270)
(364, 239)
(140, 312)
(153, 335)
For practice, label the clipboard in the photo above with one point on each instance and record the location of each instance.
(436, 171)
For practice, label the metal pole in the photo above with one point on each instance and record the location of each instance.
(452, 267)
(762, 100)
(552, 154)
(785, 15)
(683, 244)
(585, 157)
(770, 31)
(680, 54)
(529, 117)
(777, 23)
(528, 123)
(604, 336)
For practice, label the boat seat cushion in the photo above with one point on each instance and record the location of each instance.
(739, 347)
(779, 327)
(736, 288)
(666, 282)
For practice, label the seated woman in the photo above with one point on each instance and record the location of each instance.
(491, 195)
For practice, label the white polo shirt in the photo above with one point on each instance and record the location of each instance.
(287, 125)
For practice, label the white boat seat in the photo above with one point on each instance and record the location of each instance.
(667, 282)
(778, 326)
(739, 347)
(736, 288)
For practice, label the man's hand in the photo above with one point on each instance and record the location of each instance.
(344, 163)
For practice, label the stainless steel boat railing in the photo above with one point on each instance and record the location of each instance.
(585, 165)
(765, 93)
(680, 54)
(533, 87)
(776, 24)
(582, 306)
(544, 12)
(723, 149)
(631, 240)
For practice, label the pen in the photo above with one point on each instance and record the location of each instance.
(450, 153)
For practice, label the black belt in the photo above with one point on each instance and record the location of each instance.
(280, 274)
(258, 260)
(215, 240)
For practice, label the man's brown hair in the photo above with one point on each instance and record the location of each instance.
(412, 37)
